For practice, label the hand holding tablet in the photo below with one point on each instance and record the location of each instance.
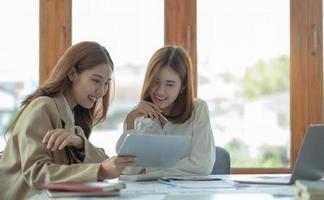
(154, 150)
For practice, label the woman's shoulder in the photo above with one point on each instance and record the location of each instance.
(43, 103)
(200, 109)
(39, 109)
(199, 104)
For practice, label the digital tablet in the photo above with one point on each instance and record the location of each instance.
(154, 150)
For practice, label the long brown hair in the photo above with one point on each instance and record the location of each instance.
(179, 60)
(79, 57)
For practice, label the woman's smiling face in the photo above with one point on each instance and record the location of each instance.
(165, 88)
(89, 86)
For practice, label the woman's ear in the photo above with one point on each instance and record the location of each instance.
(72, 75)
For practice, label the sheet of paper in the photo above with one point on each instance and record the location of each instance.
(274, 190)
(193, 178)
(204, 184)
(240, 196)
(176, 187)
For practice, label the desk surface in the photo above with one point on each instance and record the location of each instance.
(202, 190)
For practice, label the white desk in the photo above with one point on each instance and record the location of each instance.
(201, 190)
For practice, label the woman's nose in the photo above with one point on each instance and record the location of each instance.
(160, 89)
(100, 91)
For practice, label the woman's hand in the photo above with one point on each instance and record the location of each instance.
(143, 171)
(147, 109)
(57, 139)
(114, 166)
(144, 108)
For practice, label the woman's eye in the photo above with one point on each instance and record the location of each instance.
(96, 81)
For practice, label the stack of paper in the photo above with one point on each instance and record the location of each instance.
(81, 189)
(309, 190)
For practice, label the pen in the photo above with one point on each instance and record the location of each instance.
(162, 116)
(167, 183)
(190, 179)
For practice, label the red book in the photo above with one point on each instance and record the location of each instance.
(82, 189)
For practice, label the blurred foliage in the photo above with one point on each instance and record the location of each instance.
(266, 78)
(267, 156)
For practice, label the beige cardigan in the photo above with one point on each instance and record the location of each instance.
(27, 163)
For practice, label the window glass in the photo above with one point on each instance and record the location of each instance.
(19, 56)
(131, 31)
(243, 74)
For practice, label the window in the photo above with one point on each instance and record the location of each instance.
(306, 67)
(243, 73)
(131, 31)
(19, 57)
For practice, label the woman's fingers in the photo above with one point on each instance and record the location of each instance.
(47, 136)
(58, 141)
(114, 166)
(122, 159)
(147, 112)
(155, 109)
(154, 106)
(151, 110)
(125, 161)
(143, 171)
(52, 138)
(147, 109)
(65, 142)
(128, 163)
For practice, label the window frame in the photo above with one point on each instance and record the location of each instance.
(306, 56)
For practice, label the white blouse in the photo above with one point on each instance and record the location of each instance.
(200, 157)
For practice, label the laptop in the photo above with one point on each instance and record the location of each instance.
(155, 150)
(309, 164)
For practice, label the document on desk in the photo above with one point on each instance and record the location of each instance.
(153, 176)
(253, 196)
(274, 190)
(217, 184)
(176, 187)
(196, 181)
(191, 178)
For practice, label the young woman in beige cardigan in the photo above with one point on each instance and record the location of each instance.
(48, 140)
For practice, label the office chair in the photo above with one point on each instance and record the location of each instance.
(223, 161)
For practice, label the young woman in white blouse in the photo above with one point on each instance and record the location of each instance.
(168, 107)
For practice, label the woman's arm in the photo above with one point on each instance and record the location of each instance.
(91, 153)
(37, 161)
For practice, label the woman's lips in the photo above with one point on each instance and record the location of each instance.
(92, 99)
